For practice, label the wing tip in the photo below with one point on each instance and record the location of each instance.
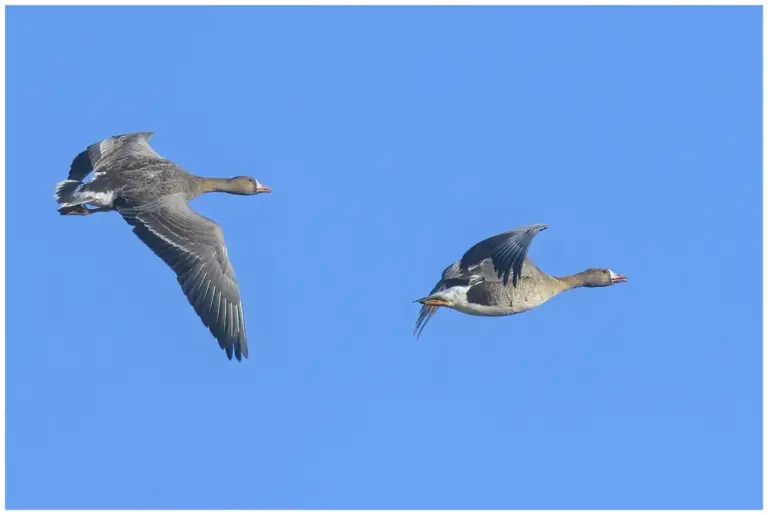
(236, 347)
(525, 236)
(143, 134)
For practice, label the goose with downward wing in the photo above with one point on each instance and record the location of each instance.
(496, 278)
(152, 194)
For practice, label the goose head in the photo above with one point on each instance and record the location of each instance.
(244, 185)
(597, 277)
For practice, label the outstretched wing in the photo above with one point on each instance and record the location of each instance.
(507, 252)
(80, 168)
(193, 246)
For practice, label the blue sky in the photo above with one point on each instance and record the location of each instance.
(394, 139)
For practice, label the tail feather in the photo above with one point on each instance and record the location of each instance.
(66, 193)
(425, 314)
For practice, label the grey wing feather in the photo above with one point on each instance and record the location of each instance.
(81, 167)
(451, 272)
(124, 147)
(193, 246)
(103, 154)
(507, 252)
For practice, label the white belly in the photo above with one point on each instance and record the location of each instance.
(521, 306)
(485, 311)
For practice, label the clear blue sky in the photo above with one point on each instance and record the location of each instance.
(393, 138)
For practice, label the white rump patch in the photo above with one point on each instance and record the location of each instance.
(99, 198)
(78, 196)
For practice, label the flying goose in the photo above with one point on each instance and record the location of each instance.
(479, 283)
(151, 194)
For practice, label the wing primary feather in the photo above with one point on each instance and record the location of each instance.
(213, 296)
(194, 296)
(243, 334)
(190, 280)
(236, 321)
(223, 321)
(202, 298)
(231, 327)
